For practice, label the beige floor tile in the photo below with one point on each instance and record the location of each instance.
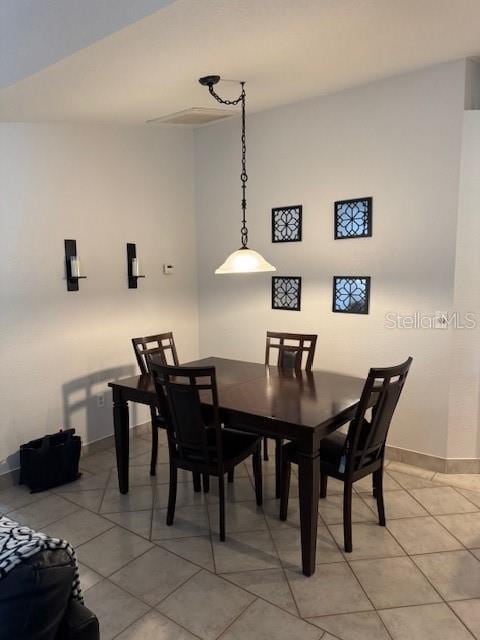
(17, 497)
(90, 500)
(410, 470)
(239, 517)
(154, 575)
(442, 500)
(369, 541)
(186, 496)
(97, 462)
(244, 551)
(465, 527)
(197, 549)
(139, 522)
(263, 621)
(333, 588)
(206, 604)
(365, 484)
(144, 458)
(79, 527)
(428, 622)
(114, 608)
(422, 535)
(87, 482)
(473, 496)
(393, 582)
(240, 490)
(137, 499)
(154, 626)
(455, 574)
(353, 626)
(88, 578)
(112, 550)
(408, 481)
(288, 545)
(270, 584)
(139, 475)
(188, 522)
(469, 612)
(330, 510)
(269, 488)
(271, 509)
(398, 504)
(43, 512)
(463, 481)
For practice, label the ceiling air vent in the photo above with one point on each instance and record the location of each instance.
(195, 115)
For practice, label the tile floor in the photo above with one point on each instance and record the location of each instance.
(418, 578)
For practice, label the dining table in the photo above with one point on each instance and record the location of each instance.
(299, 406)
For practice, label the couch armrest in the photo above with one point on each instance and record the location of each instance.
(79, 623)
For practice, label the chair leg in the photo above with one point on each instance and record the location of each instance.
(221, 500)
(172, 494)
(347, 516)
(197, 482)
(378, 475)
(286, 473)
(230, 475)
(374, 485)
(265, 449)
(153, 459)
(278, 468)
(206, 483)
(257, 474)
(323, 485)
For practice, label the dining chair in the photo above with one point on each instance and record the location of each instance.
(162, 347)
(291, 348)
(195, 444)
(359, 452)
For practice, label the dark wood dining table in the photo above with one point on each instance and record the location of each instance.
(295, 405)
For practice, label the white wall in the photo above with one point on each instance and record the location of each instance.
(464, 411)
(103, 186)
(397, 140)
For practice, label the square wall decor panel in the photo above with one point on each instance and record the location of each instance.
(353, 218)
(351, 294)
(287, 224)
(286, 292)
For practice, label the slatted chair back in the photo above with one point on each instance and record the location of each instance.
(366, 439)
(160, 347)
(180, 391)
(292, 347)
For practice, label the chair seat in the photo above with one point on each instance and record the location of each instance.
(332, 448)
(236, 446)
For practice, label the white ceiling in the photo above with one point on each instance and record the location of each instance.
(286, 50)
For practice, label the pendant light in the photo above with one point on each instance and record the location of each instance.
(244, 260)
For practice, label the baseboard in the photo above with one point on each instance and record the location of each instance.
(433, 463)
(12, 477)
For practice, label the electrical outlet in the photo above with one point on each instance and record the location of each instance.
(100, 400)
(168, 269)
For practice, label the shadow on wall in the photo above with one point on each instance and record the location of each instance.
(91, 397)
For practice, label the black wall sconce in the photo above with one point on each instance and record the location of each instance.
(133, 266)
(72, 264)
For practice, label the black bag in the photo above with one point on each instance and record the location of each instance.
(50, 461)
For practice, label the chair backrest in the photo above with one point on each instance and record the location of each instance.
(291, 349)
(160, 346)
(180, 391)
(366, 438)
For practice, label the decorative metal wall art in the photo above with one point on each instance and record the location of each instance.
(287, 224)
(353, 218)
(286, 292)
(351, 294)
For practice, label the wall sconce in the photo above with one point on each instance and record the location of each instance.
(72, 264)
(133, 266)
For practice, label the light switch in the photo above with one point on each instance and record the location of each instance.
(168, 269)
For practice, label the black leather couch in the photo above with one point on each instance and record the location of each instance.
(36, 603)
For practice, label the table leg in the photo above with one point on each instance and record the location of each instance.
(309, 493)
(122, 443)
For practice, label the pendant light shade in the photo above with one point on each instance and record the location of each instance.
(245, 260)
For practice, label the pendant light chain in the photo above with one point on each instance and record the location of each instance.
(243, 175)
